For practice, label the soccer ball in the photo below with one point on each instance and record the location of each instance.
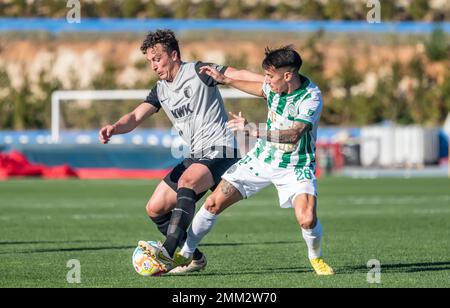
(143, 264)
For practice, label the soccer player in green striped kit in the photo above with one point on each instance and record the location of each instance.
(284, 154)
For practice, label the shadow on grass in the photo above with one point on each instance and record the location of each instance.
(385, 268)
(68, 249)
(30, 251)
(401, 268)
(46, 242)
(263, 271)
(248, 244)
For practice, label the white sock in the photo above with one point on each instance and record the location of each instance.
(313, 239)
(201, 225)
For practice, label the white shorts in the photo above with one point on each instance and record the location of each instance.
(250, 175)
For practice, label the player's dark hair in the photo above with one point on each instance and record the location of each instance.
(164, 37)
(282, 57)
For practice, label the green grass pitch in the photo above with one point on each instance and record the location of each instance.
(403, 223)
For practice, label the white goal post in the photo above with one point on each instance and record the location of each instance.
(59, 97)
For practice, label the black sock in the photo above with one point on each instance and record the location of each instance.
(182, 217)
(197, 254)
(162, 222)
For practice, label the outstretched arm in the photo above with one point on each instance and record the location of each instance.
(250, 87)
(127, 123)
(246, 75)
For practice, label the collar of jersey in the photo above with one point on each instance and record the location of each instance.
(177, 76)
(305, 83)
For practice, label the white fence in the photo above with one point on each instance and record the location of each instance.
(60, 97)
(402, 146)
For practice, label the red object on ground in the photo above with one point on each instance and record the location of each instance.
(114, 173)
(15, 164)
(59, 172)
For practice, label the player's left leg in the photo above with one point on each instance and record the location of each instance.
(306, 213)
(195, 180)
(163, 201)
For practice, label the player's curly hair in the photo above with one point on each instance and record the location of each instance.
(164, 37)
(282, 57)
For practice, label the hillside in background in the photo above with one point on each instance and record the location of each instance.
(364, 78)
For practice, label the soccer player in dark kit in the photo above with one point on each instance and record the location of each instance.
(194, 105)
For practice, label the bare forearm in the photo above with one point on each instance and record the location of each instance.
(250, 87)
(287, 136)
(290, 136)
(243, 75)
(130, 121)
(126, 124)
(253, 86)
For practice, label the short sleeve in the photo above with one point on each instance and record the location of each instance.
(266, 89)
(208, 80)
(152, 98)
(309, 109)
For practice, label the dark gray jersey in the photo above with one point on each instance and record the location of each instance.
(194, 105)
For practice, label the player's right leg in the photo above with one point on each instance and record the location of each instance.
(195, 180)
(160, 206)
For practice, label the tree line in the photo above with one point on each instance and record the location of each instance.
(418, 10)
(407, 94)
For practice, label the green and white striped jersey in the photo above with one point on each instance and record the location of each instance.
(303, 105)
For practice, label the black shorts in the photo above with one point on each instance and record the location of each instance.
(218, 160)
